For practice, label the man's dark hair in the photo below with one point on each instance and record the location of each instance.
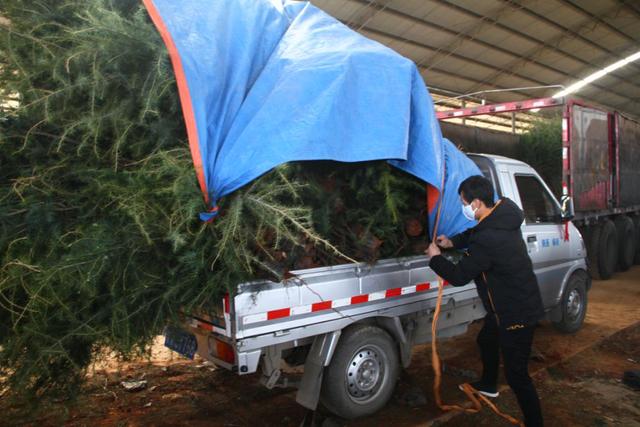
(477, 187)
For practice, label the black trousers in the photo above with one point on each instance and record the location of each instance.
(515, 346)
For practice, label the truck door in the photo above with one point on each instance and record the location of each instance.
(543, 233)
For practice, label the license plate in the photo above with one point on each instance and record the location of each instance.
(180, 341)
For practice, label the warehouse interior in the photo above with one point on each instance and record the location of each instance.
(474, 52)
(320, 213)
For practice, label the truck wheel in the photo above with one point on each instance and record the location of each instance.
(363, 373)
(626, 241)
(573, 304)
(636, 223)
(608, 250)
(592, 242)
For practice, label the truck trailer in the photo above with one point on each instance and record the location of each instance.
(600, 176)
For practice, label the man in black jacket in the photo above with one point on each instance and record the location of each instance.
(498, 262)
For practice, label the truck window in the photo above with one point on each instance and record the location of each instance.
(538, 205)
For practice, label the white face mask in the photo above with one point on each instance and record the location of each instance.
(469, 212)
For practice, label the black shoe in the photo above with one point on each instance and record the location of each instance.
(632, 379)
(487, 390)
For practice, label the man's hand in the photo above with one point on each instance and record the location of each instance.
(444, 242)
(432, 250)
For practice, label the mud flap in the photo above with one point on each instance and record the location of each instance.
(404, 339)
(319, 356)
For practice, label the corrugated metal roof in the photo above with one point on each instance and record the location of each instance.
(464, 46)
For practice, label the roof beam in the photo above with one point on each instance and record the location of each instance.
(600, 21)
(361, 17)
(630, 6)
(480, 63)
(461, 36)
(449, 53)
(543, 45)
(466, 82)
(467, 78)
(574, 33)
(414, 19)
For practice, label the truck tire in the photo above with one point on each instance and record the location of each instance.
(592, 242)
(362, 375)
(573, 304)
(636, 224)
(608, 250)
(626, 242)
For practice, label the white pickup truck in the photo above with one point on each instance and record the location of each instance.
(353, 326)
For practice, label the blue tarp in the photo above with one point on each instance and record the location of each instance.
(265, 82)
(458, 168)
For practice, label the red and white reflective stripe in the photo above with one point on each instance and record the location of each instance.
(195, 323)
(506, 107)
(337, 303)
(225, 303)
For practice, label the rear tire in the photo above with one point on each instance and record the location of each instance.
(592, 242)
(608, 250)
(573, 305)
(636, 224)
(363, 372)
(626, 242)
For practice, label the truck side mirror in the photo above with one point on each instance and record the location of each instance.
(568, 211)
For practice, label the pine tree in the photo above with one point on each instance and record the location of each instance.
(100, 245)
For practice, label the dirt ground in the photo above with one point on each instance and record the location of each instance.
(578, 378)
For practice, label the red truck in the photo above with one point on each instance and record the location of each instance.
(600, 176)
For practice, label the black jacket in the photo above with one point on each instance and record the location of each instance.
(498, 262)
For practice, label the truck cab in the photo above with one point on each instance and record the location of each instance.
(555, 245)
